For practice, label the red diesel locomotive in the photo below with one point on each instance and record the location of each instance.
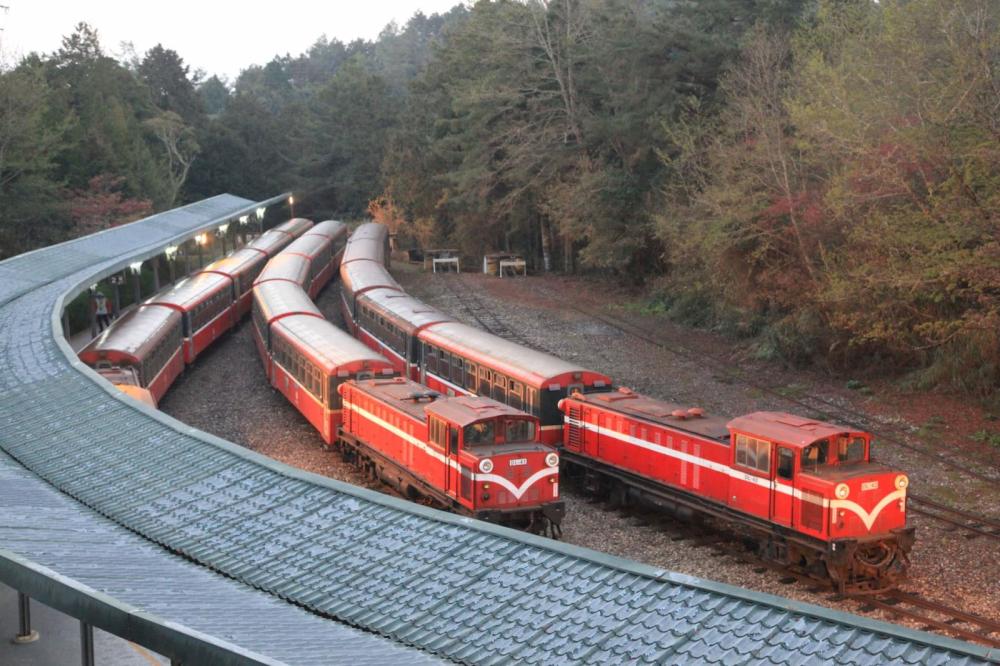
(471, 455)
(806, 492)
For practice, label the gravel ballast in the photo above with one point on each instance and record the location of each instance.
(226, 393)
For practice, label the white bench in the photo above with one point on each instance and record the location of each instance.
(446, 263)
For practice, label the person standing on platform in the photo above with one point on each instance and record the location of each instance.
(102, 309)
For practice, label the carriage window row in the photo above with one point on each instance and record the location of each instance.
(248, 276)
(260, 324)
(208, 309)
(383, 329)
(481, 380)
(299, 367)
(753, 453)
(160, 355)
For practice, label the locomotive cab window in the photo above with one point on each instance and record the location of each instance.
(815, 454)
(850, 449)
(519, 431)
(786, 463)
(753, 453)
(479, 434)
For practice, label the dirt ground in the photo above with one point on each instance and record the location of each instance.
(946, 565)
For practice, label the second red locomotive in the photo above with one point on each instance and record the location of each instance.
(470, 454)
(805, 492)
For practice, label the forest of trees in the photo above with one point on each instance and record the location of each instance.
(819, 177)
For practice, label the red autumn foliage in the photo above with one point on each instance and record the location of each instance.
(103, 205)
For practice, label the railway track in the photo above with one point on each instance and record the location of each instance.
(846, 415)
(474, 306)
(929, 614)
(974, 525)
(935, 615)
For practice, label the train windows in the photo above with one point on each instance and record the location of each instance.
(444, 364)
(516, 396)
(484, 380)
(532, 400)
(470, 376)
(850, 449)
(480, 434)
(453, 440)
(457, 370)
(520, 430)
(430, 358)
(786, 463)
(815, 454)
(753, 453)
(499, 387)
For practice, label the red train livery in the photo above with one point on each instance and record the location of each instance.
(369, 242)
(460, 359)
(807, 491)
(390, 321)
(142, 351)
(357, 278)
(472, 455)
(292, 268)
(318, 251)
(294, 227)
(206, 304)
(310, 358)
(241, 268)
(272, 301)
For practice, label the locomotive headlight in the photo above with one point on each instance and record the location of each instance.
(551, 460)
(842, 491)
(902, 482)
(485, 465)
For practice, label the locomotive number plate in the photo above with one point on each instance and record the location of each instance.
(514, 462)
(869, 485)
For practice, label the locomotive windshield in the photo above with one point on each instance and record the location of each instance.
(479, 434)
(520, 430)
(841, 451)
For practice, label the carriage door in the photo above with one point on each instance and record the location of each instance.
(453, 473)
(783, 489)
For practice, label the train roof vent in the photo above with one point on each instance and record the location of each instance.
(696, 412)
(679, 414)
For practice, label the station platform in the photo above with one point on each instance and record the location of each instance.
(59, 640)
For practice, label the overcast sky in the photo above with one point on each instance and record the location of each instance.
(218, 37)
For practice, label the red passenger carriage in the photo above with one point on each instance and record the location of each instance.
(270, 243)
(472, 455)
(310, 358)
(358, 277)
(460, 359)
(369, 242)
(337, 233)
(806, 491)
(286, 267)
(142, 350)
(318, 251)
(389, 322)
(271, 301)
(242, 268)
(206, 304)
(294, 227)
